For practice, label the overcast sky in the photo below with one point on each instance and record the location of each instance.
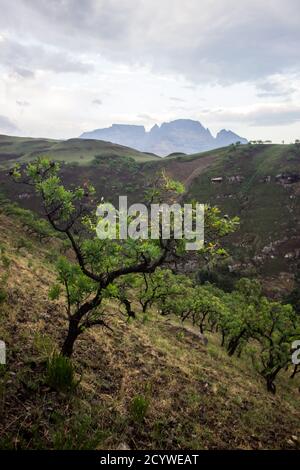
(68, 66)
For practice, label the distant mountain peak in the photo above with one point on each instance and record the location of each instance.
(181, 135)
(226, 137)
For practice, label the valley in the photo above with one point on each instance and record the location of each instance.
(258, 183)
(141, 376)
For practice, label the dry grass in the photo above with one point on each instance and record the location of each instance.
(198, 397)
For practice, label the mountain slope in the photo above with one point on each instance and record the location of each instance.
(197, 397)
(259, 183)
(181, 135)
(82, 152)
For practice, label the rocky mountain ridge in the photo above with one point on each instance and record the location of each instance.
(182, 135)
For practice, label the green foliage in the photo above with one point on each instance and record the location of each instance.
(54, 292)
(118, 163)
(104, 268)
(32, 224)
(199, 304)
(243, 317)
(78, 285)
(156, 287)
(60, 373)
(272, 326)
(278, 326)
(4, 259)
(138, 408)
(83, 432)
(3, 295)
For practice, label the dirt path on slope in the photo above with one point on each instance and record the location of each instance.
(187, 171)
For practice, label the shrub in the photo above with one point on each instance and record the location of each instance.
(139, 407)
(60, 373)
(5, 261)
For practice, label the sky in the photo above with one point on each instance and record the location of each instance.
(69, 66)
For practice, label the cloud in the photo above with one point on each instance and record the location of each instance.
(273, 88)
(238, 59)
(146, 118)
(6, 125)
(23, 73)
(22, 104)
(226, 42)
(22, 59)
(259, 115)
(179, 100)
(97, 102)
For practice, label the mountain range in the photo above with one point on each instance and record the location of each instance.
(182, 136)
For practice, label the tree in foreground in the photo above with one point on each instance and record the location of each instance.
(98, 267)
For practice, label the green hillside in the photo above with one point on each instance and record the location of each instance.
(260, 184)
(79, 151)
(147, 384)
(247, 184)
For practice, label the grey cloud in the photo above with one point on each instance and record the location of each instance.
(23, 73)
(275, 115)
(220, 41)
(97, 102)
(179, 100)
(22, 58)
(22, 104)
(6, 125)
(273, 88)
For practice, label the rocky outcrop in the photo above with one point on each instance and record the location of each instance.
(287, 178)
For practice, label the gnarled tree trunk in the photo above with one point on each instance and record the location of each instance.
(73, 333)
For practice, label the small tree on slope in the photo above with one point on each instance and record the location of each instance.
(98, 265)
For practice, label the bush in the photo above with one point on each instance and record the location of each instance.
(60, 373)
(139, 407)
(5, 261)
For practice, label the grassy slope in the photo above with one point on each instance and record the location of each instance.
(78, 151)
(269, 212)
(199, 397)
